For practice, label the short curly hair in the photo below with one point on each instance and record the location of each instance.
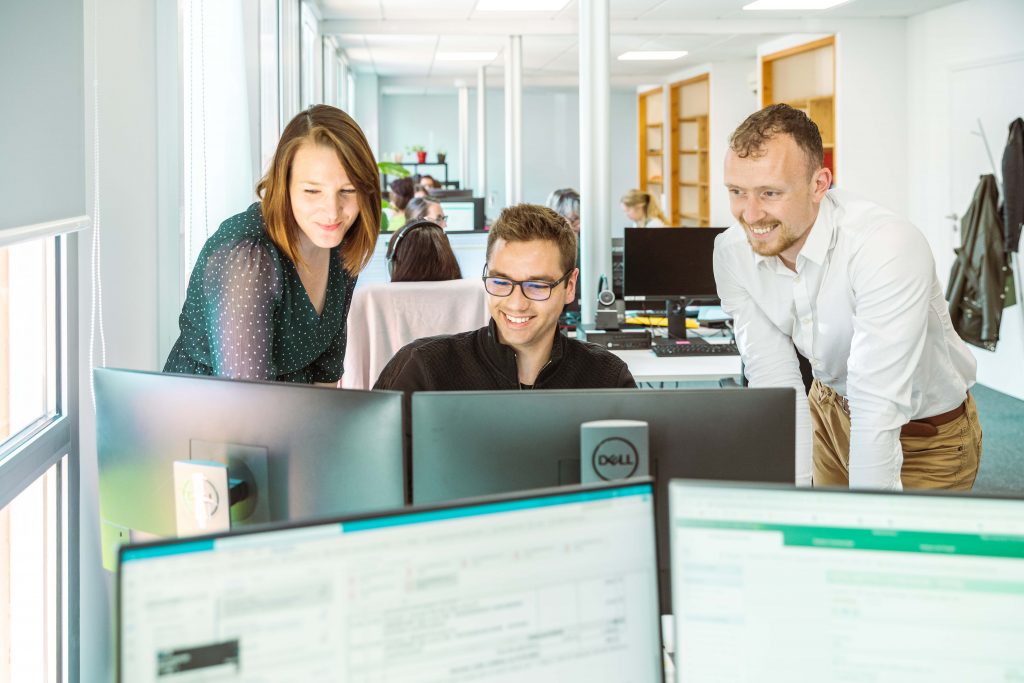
(749, 139)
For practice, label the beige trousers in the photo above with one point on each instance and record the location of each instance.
(947, 460)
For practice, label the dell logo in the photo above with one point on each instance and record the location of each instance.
(615, 458)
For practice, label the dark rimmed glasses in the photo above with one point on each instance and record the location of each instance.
(535, 290)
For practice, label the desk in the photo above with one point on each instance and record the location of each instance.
(646, 367)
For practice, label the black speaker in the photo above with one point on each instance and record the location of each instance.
(607, 317)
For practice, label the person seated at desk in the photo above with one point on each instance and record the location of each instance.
(642, 208)
(566, 201)
(400, 194)
(424, 207)
(425, 256)
(530, 275)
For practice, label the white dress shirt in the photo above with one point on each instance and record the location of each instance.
(865, 308)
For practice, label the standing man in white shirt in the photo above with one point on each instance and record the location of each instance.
(852, 287)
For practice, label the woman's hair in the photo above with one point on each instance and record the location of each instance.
(323, 125)
(647, 201)
(401, 192)
(418, 207)
(566, 202)
(424, 255)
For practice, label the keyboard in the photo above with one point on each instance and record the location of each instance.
(695, 349)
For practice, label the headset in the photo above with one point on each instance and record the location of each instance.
(402, 232)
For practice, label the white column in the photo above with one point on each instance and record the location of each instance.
(481, 133)
(463, 133)
(513, 120)
(595, 160)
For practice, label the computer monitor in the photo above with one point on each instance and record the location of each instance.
(464, 215)
(452, 193)
(668, 265)
(831, 585)
(548, 587)
(307, 451)
(476, 443)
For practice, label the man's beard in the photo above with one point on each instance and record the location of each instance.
(781, 240)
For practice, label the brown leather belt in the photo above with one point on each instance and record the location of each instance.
(924, 426)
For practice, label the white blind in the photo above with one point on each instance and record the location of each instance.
(42, 120)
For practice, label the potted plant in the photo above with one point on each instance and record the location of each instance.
(421, 153)
(441, 156)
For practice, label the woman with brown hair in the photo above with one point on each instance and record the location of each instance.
(425, 255)
(642, 208)
(270, 291)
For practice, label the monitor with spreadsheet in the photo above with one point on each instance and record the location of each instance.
(551, 586)
(304, 451)
(470, 443)
(830, 585)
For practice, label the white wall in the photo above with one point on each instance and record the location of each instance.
(128, 179)
(732, 100)
(871, 108)
(367, 109)
(957, 49)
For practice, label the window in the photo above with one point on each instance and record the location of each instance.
(37, 466)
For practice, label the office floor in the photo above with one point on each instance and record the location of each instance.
(1002, 456)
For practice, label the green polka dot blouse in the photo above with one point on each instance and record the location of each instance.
(247, 315)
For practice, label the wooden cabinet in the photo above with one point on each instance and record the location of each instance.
(652, 140)
(804, 77)
(689, 196)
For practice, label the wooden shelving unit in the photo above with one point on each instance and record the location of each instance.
(804, 77)
(689, 199)
(652, 140)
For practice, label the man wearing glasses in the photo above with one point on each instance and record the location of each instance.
(530, 275)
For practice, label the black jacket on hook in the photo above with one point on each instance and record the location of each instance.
(1013, 185)
(975, 292)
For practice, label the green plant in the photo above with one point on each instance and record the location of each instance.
(393, 169)
(417, 148)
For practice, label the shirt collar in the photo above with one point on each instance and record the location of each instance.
(815, 249)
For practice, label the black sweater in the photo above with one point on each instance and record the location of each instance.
(475, 361)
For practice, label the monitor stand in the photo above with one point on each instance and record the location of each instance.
(675, 314)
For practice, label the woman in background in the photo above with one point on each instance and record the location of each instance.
(270, 291)
(401, 192)
(566, 202)
(421, 252)
(424, 207)
(642, 208)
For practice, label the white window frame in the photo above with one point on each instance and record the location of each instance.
(53, 440)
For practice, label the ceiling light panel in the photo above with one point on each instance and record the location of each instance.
(520, 5)
(479, 57)
(790, 5)
(651, 55)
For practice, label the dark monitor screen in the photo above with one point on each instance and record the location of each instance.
(310, 451)
(476, 443)
(669, 262)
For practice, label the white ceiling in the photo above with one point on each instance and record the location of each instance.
(399, 39)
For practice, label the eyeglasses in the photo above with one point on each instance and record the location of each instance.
(535, 290)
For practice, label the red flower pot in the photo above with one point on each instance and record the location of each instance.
(421, 157)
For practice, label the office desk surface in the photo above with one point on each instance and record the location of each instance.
(646, 367)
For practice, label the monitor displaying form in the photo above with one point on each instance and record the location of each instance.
(773, 584)
(303, 451)
(670, 263)
(551, 587)
(476, 443)
(464, 214)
